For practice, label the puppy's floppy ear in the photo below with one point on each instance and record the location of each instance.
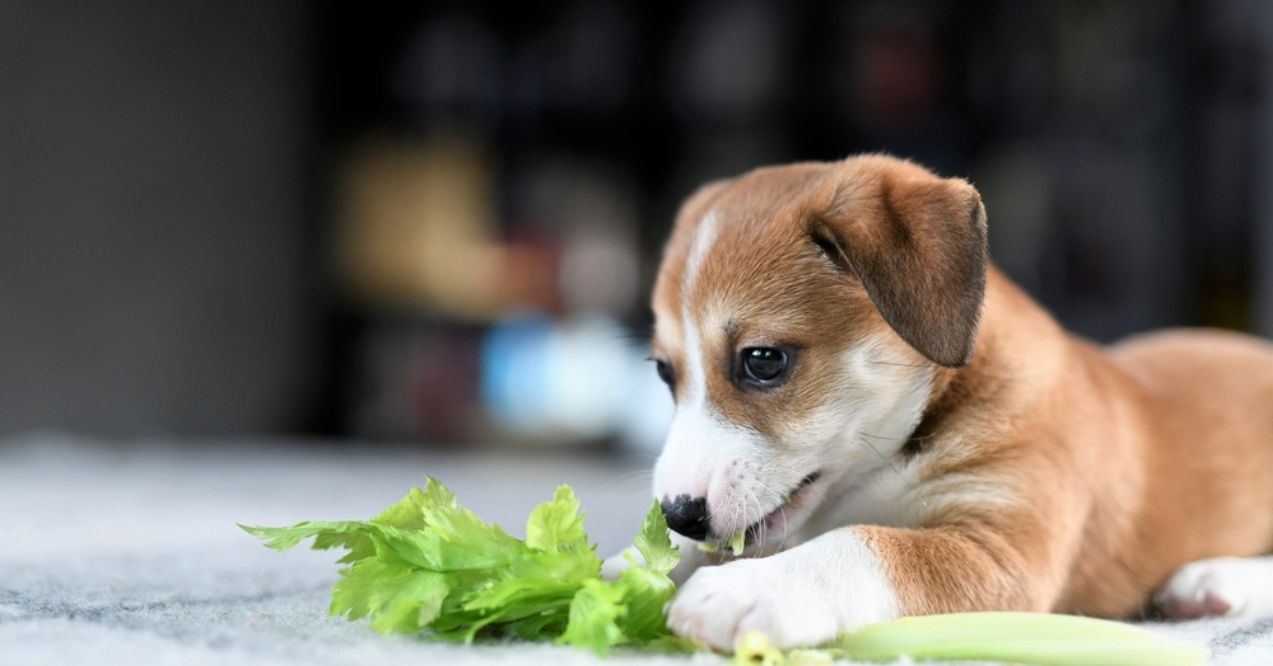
(918, 244)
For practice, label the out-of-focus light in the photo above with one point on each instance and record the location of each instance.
(579, 378)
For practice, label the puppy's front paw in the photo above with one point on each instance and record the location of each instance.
(615, 565)
(1218, 586)
(719, 604)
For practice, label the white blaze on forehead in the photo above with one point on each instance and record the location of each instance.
(699, 440)
(704, 238)
(691, 319)
(695, 373)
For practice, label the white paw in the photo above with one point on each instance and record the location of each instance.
(616, 564)
(1220, 586)
(719, 604)
(692, 558)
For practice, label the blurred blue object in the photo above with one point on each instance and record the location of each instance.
(576, 379)
(514, 368)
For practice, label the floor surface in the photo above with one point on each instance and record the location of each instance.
(129, 554)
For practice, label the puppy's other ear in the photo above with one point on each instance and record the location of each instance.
(918, 244)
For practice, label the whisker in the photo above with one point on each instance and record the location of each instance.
(644, 476)
(900, 365)
(896, 439)
(886, 461)
(762, 534)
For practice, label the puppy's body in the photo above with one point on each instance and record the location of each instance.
(1110, 469)
(1199, 429)
(935, 442)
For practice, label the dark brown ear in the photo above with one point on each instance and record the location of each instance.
(918, 244)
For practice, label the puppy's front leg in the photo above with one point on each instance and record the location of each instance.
(801, 596)
(854, 576)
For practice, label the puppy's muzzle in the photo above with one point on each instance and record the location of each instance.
(686, 516)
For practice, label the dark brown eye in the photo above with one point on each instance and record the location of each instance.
(665, 373)
(764, 364)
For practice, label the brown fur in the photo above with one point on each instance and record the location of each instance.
(1127, 464)
(766, 305)
(1122, 464)
(918, 245)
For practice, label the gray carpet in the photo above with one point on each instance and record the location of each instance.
(128, 553)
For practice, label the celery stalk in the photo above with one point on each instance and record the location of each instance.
(736, 544)
(1029, 638)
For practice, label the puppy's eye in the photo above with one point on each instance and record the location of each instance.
(665, 373)
(764, 364)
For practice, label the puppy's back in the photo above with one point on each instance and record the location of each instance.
(1208, 398)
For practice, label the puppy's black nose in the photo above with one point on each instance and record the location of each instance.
(687, 516)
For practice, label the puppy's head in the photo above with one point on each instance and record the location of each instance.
(800, 314)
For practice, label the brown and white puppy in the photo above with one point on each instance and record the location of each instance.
(901, 431)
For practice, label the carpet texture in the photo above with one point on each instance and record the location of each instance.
(128, 553)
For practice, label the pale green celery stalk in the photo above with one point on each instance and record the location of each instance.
(1027, 638)
(736, 544)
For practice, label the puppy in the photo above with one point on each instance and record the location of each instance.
(899, 430)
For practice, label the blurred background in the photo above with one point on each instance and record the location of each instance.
(436, 224)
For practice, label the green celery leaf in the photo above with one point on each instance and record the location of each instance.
(413, 605)
(353, 595)
(670, 643)
(397, 599)
(648, 592)
(428, 566)
(437, 496)
(557, 525)
(595, 613)
(332, 534)
(408, 513)
(431, 549)
(537, 625)
(654, 543)
(464, 540)
(539, 577)
(359, 544)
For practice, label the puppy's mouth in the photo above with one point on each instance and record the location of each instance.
(776, 521)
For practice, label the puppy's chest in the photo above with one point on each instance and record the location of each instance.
(887, 497)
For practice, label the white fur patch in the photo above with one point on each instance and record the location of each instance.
(704, 238)
(1220, 586)
(879, 406)
(706, 455)
(800, 597)
(701, 443)
(699, 448)
(695, 372)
